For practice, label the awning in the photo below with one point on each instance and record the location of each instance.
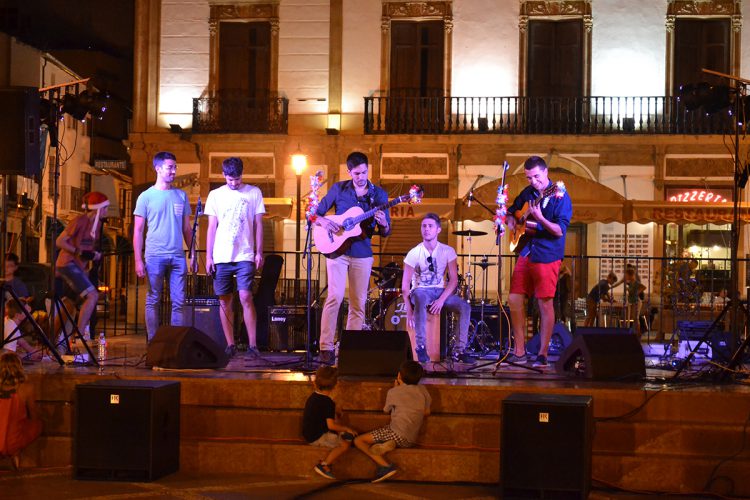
(592, 202)
(665, 212)
(279, 208)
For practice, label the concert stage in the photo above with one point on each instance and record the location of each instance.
(654, 435)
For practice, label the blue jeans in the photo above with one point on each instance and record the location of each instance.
(422, 297)
(173, 268)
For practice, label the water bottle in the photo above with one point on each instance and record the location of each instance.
(102, 349)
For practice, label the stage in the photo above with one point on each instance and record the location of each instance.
(657, 434)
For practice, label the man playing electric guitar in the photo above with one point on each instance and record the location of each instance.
(355, 259)
(539, 261)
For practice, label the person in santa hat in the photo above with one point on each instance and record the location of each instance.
(77, 244)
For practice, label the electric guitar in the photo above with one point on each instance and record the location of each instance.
(526, 226)
(333, 244)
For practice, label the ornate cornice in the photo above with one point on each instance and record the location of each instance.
(704, 7)
(556, 7)
(245, 11)
(400, 10)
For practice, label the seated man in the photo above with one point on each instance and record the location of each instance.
(425, 290)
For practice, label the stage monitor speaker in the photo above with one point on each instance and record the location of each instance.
(127, 430)
(206, 311)
(184, 347)
(546, 442)
(19, 131)
(561, 339)
(376, 353)
(603, 356)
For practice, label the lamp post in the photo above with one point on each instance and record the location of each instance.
(299, 163)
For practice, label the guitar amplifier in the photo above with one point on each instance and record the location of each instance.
(287, 328)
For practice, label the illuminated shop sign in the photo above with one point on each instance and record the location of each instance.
(698, 195)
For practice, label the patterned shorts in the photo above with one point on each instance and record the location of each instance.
(383, 434)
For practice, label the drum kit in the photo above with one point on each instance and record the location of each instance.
(385, 305)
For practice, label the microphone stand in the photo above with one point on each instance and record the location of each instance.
(193, 250)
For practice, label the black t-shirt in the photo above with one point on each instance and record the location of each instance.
(599, 289)
(318, 408)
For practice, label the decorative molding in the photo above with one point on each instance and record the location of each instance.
(669, 23)
(213, 27)
(523, 23)
(385, 25)
(225, 12)
(417, 9)
(737, 23)
(704, 7)
(274, 26)
(556, 7)
(588, 23)
(448, 24)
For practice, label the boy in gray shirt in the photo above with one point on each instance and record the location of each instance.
(408, 403)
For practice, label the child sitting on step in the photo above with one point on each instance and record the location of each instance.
(321, 424)
(408, 403)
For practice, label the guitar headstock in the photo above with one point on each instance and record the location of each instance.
(414, 195)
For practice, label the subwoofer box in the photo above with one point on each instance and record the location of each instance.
(373, 352)
(127, 430)
(184, 347)
(545, 447)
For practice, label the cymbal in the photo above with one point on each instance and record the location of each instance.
(483, 264)
(469, 232)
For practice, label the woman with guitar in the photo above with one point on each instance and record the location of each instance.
(538, 220)
(348, 249)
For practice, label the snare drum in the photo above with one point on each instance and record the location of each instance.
(395, 315)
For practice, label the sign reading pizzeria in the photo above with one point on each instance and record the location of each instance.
(677, 195)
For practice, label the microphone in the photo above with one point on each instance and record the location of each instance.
(199, 208)
(319, 173)
(471, 197)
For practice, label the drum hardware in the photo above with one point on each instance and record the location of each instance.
(480, 337)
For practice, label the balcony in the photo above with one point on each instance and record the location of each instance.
(539, 115)
(240, 114)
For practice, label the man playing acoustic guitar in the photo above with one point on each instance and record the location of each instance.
(546, 222)
(354, 259)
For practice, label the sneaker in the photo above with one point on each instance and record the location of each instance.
(327, 357)
(252, 353)
(324, 470)
(384, 472)
(422, 355)
(230, 350)
(512, 358)
(466, 358)
(541, 361)
(383, 448)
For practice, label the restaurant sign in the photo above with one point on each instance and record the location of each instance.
(699, 195)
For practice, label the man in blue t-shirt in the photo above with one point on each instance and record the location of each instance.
(166, 212)
(356, 261)
(538, 265)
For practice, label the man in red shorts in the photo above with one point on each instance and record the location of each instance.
(539, 260)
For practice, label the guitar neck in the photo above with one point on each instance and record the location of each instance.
(371, 212)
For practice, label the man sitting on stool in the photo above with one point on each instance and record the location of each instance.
(424, 285)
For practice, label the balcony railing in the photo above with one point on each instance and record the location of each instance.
(240, 114)
(539, 115)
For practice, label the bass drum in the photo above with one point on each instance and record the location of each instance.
(395, 315)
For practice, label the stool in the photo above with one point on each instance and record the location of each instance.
(432, 332)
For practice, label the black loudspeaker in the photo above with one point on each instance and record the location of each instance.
(379, 353)
(288, 328)
(545, 446)
(207, 316)
(127, 430)
(603, 356)
(184, 347)
(19, 131)
(561, 339)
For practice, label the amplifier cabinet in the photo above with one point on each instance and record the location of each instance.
(287, 328)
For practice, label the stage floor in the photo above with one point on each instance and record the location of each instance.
(127, 355)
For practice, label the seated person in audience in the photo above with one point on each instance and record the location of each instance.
(321, 421)
(408, 403)
(11, 267)
(13, 318)
(19, 418)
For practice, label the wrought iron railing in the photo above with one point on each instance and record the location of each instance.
(539, 115)
(241, 114)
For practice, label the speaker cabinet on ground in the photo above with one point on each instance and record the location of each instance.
(127, 430)
(545, 447)
(184, 347)
(561, 339)
(377, 353)
(205, 315)
(19, 131)
(288, 328)
(603, 356)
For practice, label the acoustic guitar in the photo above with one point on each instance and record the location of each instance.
(333, 244)
(526, 226)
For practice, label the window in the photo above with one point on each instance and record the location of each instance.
(555, 55)
(700, 43)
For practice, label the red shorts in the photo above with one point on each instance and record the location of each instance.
(535, 278)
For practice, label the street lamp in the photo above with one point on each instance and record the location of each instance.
(299, 164)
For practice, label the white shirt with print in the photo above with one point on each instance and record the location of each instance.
(235, 210)
(424, 277)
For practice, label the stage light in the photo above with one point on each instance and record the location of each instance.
(78, 106)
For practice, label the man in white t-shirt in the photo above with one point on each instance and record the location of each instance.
(426, 291)
(234, 248)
